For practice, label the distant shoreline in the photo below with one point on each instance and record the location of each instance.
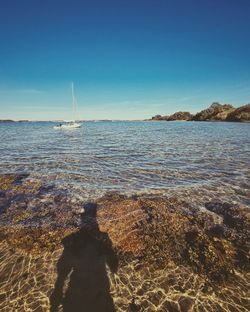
(216, 112)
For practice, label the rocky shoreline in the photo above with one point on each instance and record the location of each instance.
(167, 255)
(216, 112)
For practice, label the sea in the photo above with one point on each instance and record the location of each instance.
(174, 253)
(193, 160)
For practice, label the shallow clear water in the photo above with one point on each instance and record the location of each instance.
(130, 157)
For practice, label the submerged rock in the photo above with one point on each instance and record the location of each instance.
(171, 256)
(167, 230)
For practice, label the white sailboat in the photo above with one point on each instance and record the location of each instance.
(70, 124)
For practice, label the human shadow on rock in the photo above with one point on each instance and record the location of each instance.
(83, 262)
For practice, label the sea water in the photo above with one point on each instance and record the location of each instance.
(194, 159)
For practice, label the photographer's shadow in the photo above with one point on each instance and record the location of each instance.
(85, 256)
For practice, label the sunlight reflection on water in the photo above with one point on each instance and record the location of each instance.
(129, 156)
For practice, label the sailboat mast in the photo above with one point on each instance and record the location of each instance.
(73, 100)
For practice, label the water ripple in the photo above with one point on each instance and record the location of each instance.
(130, 156)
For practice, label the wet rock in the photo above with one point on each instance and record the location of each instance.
(157, 230)
(6, 181)
(133, 307)
(186, 304)
(168, 251)
(2, 194)
(216, 230)
(234, 216)
(173, 233)
(172, 306)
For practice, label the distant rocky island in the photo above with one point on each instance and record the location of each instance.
(6, 120)
(10, 120)
(216, 112)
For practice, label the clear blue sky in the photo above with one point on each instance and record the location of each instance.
(128, 59)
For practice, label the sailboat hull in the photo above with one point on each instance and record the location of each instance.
(68, 126)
